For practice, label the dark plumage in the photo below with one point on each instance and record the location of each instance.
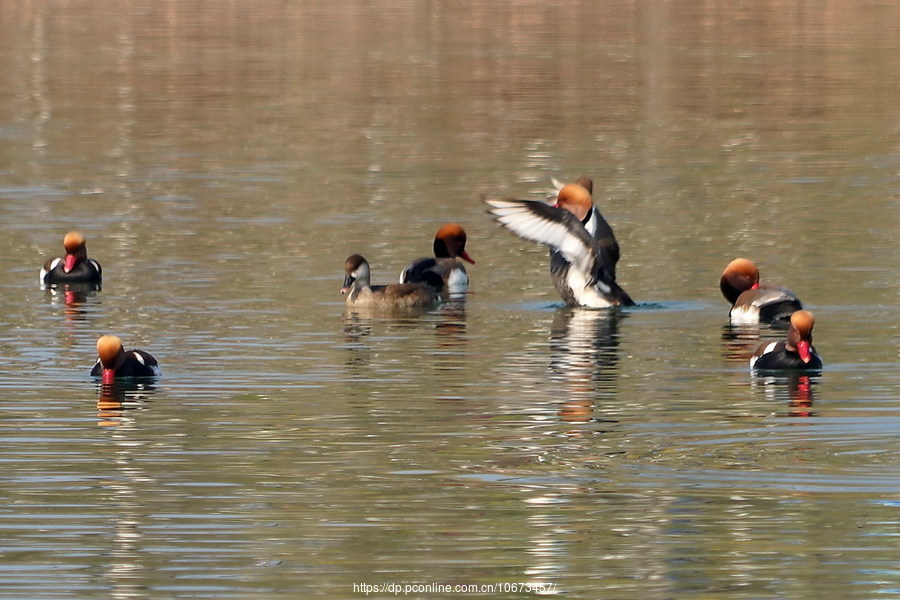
(445, 271)
(796, 353)
(114, 361)
(75, 267)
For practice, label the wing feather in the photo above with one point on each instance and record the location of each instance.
(545, 224)
(763, 296)
(555, 186)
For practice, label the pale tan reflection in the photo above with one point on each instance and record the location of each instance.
(450, 336)
(123, 150)
(739, 342)
(448, 321)
(584, 359)
(38, 88)
(125, 569)
(359, 324)
(548, 546)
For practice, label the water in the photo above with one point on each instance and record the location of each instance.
(223, 160)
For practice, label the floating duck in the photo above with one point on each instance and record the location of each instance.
(445, 270)
(114, 361)
(796, 353)
(396, 295)
(752, 302)
(75, 267)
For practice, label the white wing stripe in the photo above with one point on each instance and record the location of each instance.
(518, 218)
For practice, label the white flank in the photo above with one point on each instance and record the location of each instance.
(745, 315)
(458, 281)
(765, 351)
(53, 265)
(587, 295)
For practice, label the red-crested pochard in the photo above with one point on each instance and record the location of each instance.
(75, 267)
(796, 353)
(445, 270)
(583, 249)
(114, 361)
(752, 302)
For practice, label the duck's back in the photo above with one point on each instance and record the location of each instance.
(433, 272)
(764, 304)
(397, 295)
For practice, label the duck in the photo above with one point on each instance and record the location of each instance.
(445, 270)
(572, 198)
(796, 353)
(583, 250)
(556, 185)
(75, 267)
(114, 361)
(751, 302)
(591, 217)
(396, 295)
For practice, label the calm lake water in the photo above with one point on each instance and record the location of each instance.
(224, 158)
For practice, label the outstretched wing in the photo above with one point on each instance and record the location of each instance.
(545, 224)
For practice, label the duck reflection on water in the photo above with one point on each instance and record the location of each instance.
(584, 351)
(77, 302)
(448, 320)
(71, 294)
(793, 389)
(74, 298)
(739, 342)
(114, 399)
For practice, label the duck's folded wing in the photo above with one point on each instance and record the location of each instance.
(546, 224)
(774, 304)
(424, 270)
(415, 270)
(770, 295)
